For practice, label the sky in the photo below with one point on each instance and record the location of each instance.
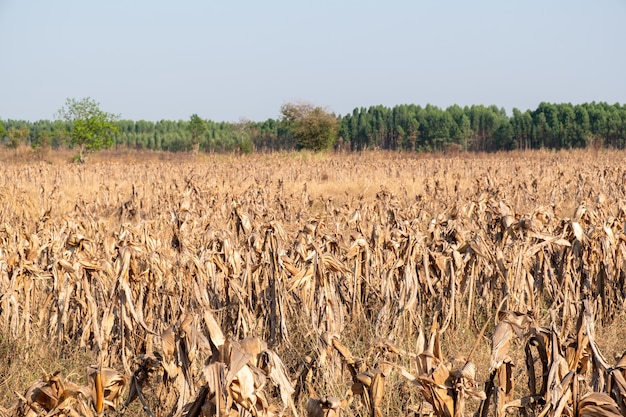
(242, 60)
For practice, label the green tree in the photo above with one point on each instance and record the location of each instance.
(484, 123)
(438, 128)
(17, 136)
(522, 124)
(582, 128)
(312, 127)
(503, 136)
(547, 120)
(91, 128)
(464, 131)
(3, 132)
(41, 143)
(197, 128)
(246, 130)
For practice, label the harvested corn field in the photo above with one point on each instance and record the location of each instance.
(321, 285)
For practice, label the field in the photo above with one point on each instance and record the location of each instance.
(313, 284)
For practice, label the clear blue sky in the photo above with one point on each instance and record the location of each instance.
(232, 59)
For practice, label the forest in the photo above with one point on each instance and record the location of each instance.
(406, 127)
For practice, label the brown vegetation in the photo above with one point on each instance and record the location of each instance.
(370, 284)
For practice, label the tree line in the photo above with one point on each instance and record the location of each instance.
(404, 127)
(482, 128)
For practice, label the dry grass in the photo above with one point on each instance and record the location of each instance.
(97, 261)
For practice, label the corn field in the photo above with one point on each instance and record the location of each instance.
(299, 284)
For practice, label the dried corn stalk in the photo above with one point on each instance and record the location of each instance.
(54, 395)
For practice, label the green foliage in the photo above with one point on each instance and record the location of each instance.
(43, 139)
(41, 143)
(312, 127)
(481, 128)
(405, 127)
(197, 128)
(91, 129)
(246, 146)
(17, 136)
